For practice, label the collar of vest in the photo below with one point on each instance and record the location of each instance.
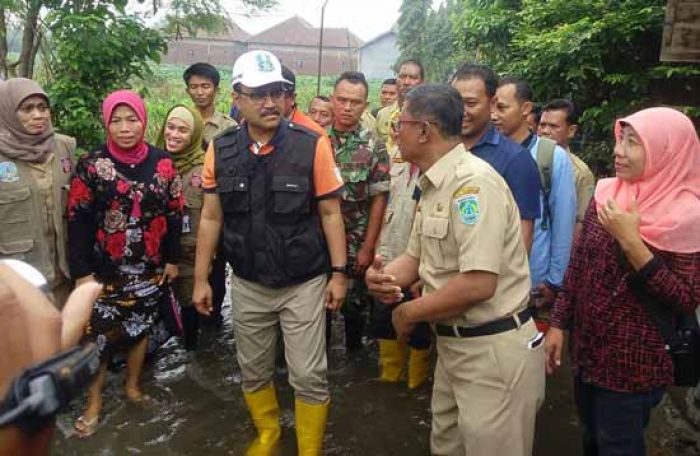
(277, 138)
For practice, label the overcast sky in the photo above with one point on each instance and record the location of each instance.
(365, 18)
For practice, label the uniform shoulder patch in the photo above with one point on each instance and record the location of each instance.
(466, 200)
(9, 172)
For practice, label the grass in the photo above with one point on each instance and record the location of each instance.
(166, 89)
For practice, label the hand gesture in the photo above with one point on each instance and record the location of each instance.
(622, 225)
(382, 286)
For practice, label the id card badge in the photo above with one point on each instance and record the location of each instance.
(186, 228)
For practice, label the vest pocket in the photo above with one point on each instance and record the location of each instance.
(234, 193)
(291, 194)
(15, 213)
(17, 250)
(12, 207)
(303, 253)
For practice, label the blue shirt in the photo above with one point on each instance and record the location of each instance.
(517, 167)
(551, 248)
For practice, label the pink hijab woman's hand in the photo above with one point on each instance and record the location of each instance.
(622, 225)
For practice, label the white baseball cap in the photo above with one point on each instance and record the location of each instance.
(257, 68)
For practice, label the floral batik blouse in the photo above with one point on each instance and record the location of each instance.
(124, 217)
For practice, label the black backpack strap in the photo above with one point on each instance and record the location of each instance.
(545, 164)
(661, 315)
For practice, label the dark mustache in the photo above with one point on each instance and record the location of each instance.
(269, 112)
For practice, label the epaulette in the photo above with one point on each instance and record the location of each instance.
(462, 169)
(230, 130)
(300, 128)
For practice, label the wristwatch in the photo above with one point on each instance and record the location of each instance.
(340, 269)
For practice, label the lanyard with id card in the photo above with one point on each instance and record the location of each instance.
(186, 227)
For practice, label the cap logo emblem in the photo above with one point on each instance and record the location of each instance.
(264, 63)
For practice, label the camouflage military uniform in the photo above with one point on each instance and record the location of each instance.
(364, 165)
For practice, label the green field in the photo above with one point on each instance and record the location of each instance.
(166, 89)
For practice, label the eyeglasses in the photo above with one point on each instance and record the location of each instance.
(396, 124)
(261, 96)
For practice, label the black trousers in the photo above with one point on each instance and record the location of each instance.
(383, 329)
(614, 422)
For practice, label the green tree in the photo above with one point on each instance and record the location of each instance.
(189, 17)
(602, 54)
(95, 51)
(439, 56)
(29, 17)
(483, 29)
(25, 15)
(412, 28)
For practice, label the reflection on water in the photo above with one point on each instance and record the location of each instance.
(197, 409)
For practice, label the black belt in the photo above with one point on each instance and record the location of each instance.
(487, 329)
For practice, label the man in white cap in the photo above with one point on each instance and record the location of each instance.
(272, 191)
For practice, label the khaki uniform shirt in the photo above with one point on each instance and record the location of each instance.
(217, 124)
(398, 219)
(194, 198)
(467, 220)
(384, 117)
(43, 178)
(585, 184)
(368, 121)
(33, 201)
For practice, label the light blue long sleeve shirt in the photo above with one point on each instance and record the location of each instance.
(551, 248)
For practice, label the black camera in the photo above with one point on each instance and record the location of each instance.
(41, 391)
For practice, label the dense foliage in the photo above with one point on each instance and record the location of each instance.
(603, 54)
(95, 53)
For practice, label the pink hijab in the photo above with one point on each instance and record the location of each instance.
(139, 152)
(668, 194)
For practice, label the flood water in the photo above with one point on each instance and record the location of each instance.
(198, 409)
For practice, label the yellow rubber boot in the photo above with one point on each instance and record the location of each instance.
(418, 366)
(392, 359)
(311, 425)
(265, 413)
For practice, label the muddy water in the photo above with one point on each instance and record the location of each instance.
(197, 409)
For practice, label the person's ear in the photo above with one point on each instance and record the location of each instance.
(526, 108)
(572, 130)
(424, 133)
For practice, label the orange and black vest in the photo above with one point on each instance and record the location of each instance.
(272, 231)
